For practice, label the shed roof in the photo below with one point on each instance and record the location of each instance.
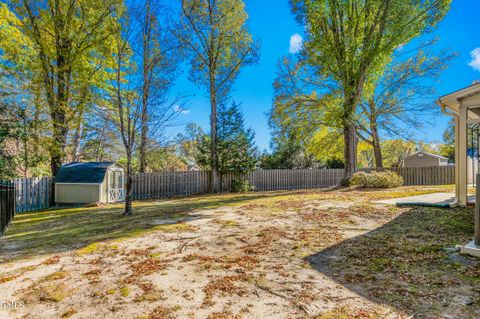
(426, 154)
(89, 172)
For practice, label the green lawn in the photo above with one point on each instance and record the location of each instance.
(58, 230)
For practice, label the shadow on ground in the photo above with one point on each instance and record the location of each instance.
(409, 264)
(60, 230)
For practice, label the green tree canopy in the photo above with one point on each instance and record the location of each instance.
(237, 152)
(216, 35)
(350, 42)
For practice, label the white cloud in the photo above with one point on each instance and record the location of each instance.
(296, 43)
(179, 109)
(475, 63)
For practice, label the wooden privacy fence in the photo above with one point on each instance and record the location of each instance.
(434, 175)
(7, 204)
(286, 179)
(32, 193)
(169, 184)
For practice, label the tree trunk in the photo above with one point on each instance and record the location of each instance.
(214, 175)
(353, 94)
(146, 87)
(143, 141)
(59, 137)
(143, 134)
(77, 139)
(377, 148)
(25, 144)
(60, 125)
(350, 150)
(128, 188)
(36, 120)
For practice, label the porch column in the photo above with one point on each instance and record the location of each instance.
(461, 156)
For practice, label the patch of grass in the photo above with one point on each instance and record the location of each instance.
(228, 223)
(55, 276)
(175, 228)
(97, 248)
(48, 293)
(124, 291)
(405, 263)
(150, 293)
(89, 249)
(345, 313)
(223, 262)
(316, 237)
(55, 230)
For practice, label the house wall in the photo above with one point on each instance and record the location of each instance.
(77, 193)
(421, 161)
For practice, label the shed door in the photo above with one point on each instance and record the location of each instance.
(116, 191)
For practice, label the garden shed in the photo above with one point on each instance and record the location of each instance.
(90, 182)
(424, 159)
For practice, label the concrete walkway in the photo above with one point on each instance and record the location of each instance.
(434, 199)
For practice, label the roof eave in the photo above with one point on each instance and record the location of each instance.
(451, 100)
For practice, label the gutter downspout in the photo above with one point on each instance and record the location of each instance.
(456, 116)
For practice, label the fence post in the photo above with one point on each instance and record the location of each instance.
(7, 204)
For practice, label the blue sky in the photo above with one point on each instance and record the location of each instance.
(272, 23)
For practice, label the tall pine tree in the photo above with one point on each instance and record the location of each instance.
(237, 152)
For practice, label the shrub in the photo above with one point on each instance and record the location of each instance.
(345, 182)
(242, 186)
(377, 180)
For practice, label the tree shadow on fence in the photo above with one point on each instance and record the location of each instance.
(409, 264)
(59, 230)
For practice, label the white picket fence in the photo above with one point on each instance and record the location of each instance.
(34, 193)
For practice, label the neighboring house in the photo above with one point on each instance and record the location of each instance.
(194, 168)
(89, 183)
(423, 159)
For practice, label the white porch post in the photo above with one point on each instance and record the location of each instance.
(461, 138)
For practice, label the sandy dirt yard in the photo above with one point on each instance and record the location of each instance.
(303, 254)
